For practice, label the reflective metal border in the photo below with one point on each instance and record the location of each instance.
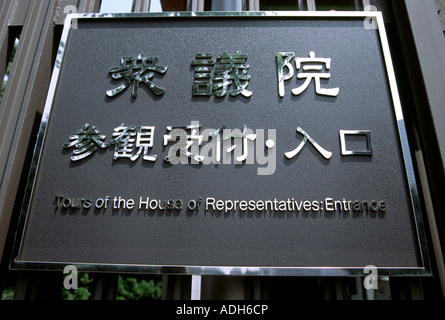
(377, 18)
(346, 152)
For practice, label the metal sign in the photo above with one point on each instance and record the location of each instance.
(240, 143)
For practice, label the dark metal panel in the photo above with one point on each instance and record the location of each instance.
(279, 119)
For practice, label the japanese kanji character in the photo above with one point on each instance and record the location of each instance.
(202, 85)
(281, 65)
(144, 140)
(184, 144)
(84, 142)
(216, 134)
(128, 137)
(133, 70)
(314, 75)
(345, 152)
(123, 141)
(326, 154)
(245, 136)
(232, 70)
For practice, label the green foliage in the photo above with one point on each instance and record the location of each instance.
(8, 293)
(128, 288)
(83, 290)
(131, 288)
(2, 90)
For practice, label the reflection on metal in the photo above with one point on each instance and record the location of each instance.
(280, 68)
(128, 137)
(316, 76)
(202, 86)
(327, 271)
(326, 154)
(345, 152)
(85, 142)
(270, 144)
(232, 70)
(217, 134)
(309, 65)
(185, 142)
(245, 136)
(144, 140)
(227, 5)
(133, 70)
